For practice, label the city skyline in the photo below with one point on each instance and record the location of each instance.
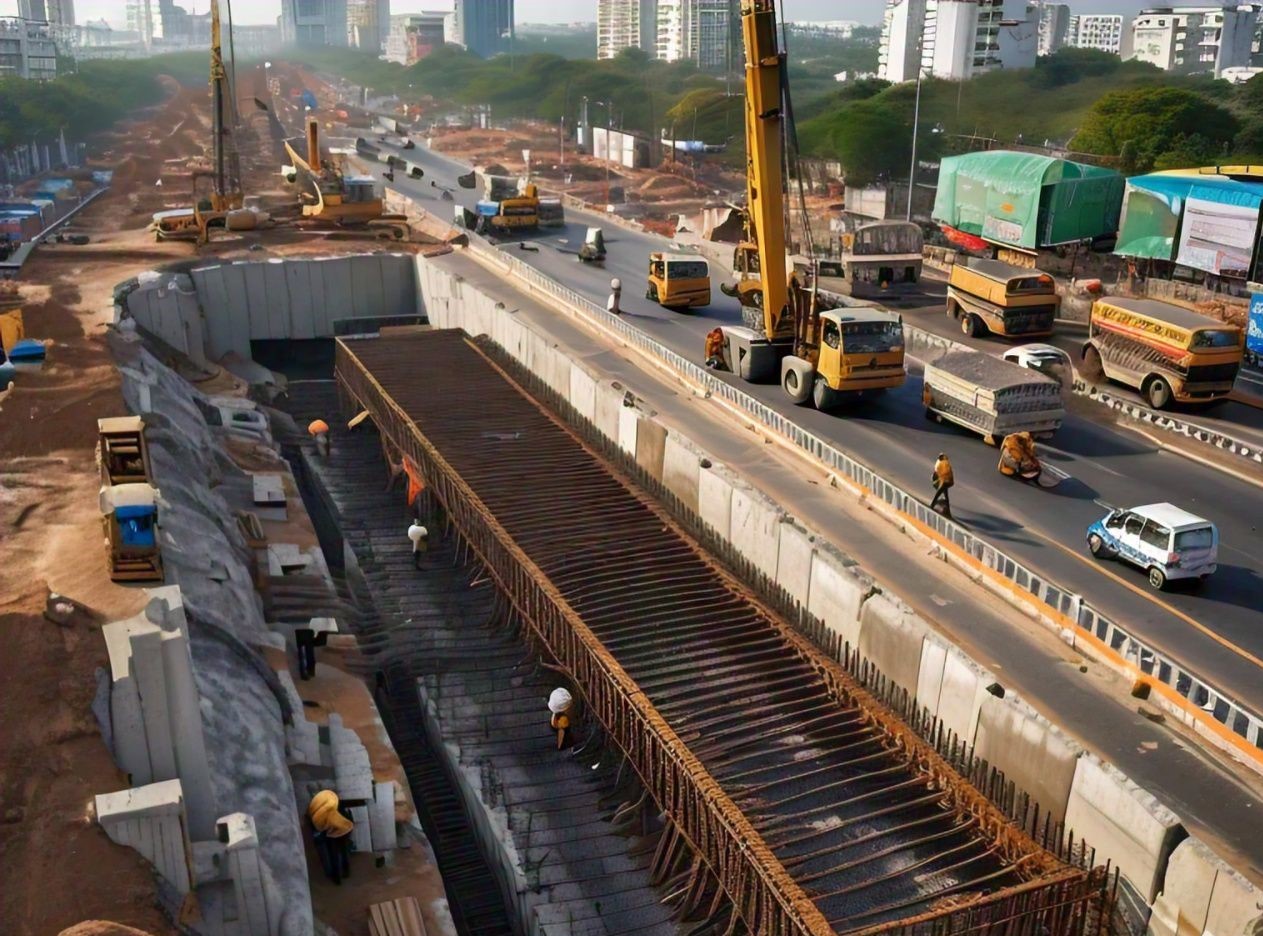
(543, 11)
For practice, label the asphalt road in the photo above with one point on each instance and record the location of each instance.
(1217, 630)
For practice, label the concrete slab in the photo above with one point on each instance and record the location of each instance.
(1029, 749)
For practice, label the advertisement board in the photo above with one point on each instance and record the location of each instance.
(1217, 238)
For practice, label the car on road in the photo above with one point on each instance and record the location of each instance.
(1166, 541)
(1045, 358)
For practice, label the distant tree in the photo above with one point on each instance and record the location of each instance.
(1069, 65)
(1151, 125)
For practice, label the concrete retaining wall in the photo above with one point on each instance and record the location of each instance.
(1202, 895)
(1031, 751)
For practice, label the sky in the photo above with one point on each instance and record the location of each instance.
(548, 11)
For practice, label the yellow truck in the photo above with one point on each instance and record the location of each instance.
(678, 282)
(992, 296)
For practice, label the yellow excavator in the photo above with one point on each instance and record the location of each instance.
(824, 352)
(330, 196)
(225, 196)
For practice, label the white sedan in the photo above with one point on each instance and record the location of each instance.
(1045, 358)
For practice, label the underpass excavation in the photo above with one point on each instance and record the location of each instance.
(815, 808)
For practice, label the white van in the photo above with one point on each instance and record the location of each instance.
(1166, 541)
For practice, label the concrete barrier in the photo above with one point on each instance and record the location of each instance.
(1126, 825)
(1201, 894)
(681, 462)
(794, 559)
(963, 689)
(151, 819)
(607, 406)
(714, 498)
(651, 445)
(890, 638)
(837, 591)
(1032, 752)
(582, 393)
(755, 528)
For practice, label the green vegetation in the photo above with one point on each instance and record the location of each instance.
(1157, 128)
(556, 40)
(91, 99)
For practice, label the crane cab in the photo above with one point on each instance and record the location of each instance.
(858, 351)
(678, 282)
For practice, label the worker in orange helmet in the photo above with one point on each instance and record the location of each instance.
(331, 827)
(715, 348)
(319, 430)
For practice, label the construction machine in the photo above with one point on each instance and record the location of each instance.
(331, 196)
(225, 174)
(822, 350)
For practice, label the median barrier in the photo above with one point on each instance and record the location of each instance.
(837, 591)
(628, 430)
(795, 556)
(607, 407)
(651, 445)
(1032, 752)
(1201, 894)
(1126, 825)
(582, 393)
(681, 462)
(755, 531)
(714, 498)
(962, 690)
(890, 638)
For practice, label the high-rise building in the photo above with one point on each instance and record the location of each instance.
(1054, 26)
(1105, 32)
(955, 39)
(27, 49)
(53, 12)
(159, 22)
(625, 24)
(367, 24)
(413, 36)
(314, 22)
(484, 27)
(695, 30)
(1194, 39)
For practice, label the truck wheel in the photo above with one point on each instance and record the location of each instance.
(791, 383)
(652, 293)
(824, 396)
(1158, 393)
(1096, 546)
(971, 326)
(953, 309)
(1157, 579)
(1093, 369)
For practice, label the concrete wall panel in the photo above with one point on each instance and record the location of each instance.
(608, 407)
(1030, 751)
(930, 674)
(964, 687)
(335, 278)
(651, 444)
(755, 528)
(836, 593)
(582, 394)
(212, 292)
(891, 634)
(277, 309)
(714, 498)
(628, 428)
(237, 298)
(398, 286)
(1184, 904)
(1125, 824)
(253, 320)
(366, 286)
(680, 465)
(302, 302)
(794, 560)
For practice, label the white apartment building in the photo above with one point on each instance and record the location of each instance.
(956, 39)
(1105, 32)
(1054, 26)
(1192, 40)
(700, 31)
(367, 24)
(625, 24)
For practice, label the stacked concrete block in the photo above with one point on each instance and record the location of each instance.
(155, 717)
(1032, 752)
(890, 638)
(837, 592)
(1203, 896)
(242, 867)
(352, 770)
(151, 819)
(1126, 825)
(952, 686)
(381, 817)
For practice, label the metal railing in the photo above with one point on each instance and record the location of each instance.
(1104, 633)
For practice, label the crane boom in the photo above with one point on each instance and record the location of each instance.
(763, 284)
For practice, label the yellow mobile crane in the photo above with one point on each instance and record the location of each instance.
(823, 351)
(225, 175)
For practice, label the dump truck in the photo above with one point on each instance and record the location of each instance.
(990, 396)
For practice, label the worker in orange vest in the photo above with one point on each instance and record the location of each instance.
(559, 703)
(943, 480)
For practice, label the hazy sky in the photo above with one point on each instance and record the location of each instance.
(548, 11)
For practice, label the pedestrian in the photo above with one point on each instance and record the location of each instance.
(943, 480)
(319, 430)
(559, 703)
(331, 828)
(616, 293)
(419, 536)
(305, 638)
(715, 348)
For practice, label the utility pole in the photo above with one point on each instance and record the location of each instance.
(912, 171)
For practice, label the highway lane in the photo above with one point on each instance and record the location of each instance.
(1042, 528)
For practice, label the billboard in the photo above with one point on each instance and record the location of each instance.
(1217, 237)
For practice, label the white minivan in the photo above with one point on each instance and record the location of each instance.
(1167, 542)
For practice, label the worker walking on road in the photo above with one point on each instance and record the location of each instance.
(331, 829)
(943, 480)
(419, 536)
(559, 703)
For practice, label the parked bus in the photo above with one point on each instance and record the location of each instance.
(991, 296)
(1167, 352)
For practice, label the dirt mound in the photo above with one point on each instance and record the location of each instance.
(101, 928)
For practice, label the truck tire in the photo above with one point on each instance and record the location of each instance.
(824, 396)
(652, 293)
(1093, 369)
(971, 325)
(1157, 393)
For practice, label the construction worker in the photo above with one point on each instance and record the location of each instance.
(305, 638)
(616, 293)
(419, 536)
(331, 829)
(559, 703)
(943, 480)
(715, 348)
(319, 430)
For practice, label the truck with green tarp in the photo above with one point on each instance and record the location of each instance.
(1027, 201)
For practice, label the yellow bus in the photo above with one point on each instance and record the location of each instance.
(1167, 352)
(991, 296)
(678, 282)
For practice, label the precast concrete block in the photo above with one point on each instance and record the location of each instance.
(510, 335)
(127, 722)
(651, 444)
(582, 394)
(755, 530)
(155, 707)
(890, 638)
(930, 674)
(628, 429)
(714, 499)
(794, 559)
(1125, 824)
(1183, 906)
(303, 304)
(236, 306)
(245, 871)
(185, 714)
(961, 693)
(557, 370)
(277, 309)
(381, 817)
(608, 406)
(398, 284)
(253, 318)
(836, 592)
(1033, 753)
(1236, 905)
(151, 819)
(681, 463)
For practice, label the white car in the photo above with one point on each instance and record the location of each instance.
(1044, 358)
(1165, 541)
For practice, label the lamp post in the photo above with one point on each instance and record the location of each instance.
(912, 170)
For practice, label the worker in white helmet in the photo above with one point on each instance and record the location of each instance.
(419, 536)
(559, 703)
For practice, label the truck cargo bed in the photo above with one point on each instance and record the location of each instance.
(991, 396)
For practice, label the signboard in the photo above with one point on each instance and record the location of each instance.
(1254, 327)
(1217, 238)
(998, 229)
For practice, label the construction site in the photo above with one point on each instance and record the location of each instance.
(363, 580)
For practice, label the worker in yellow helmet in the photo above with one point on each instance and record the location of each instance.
(331, 827)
